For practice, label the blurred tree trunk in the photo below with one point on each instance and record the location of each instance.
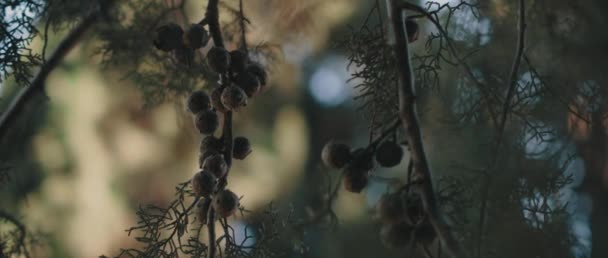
(594, 152)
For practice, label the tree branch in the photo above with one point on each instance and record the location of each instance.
(212, 16)
(409, 117)
(512, 84)
(212, 249)
(487, 94)
(243, 27)
(20, 243)
(37, 85)
(212, 19)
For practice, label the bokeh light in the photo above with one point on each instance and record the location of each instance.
(328, 83)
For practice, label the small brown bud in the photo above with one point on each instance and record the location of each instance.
(225, 203)
(216, 165)
(198, 101)
(389, 154)
(233, 98)
(206, 121)
(218, 59)
(196, 36)
(204, 183)
(241, 148)
(336, 155)
(216, 100)
(248, 82)
(168, 37)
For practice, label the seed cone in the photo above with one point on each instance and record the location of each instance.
(216, 100)
(336, 155)
(210, 146)
(258, 70)
(233, 98)
(248, 82)
(198, 101)
(241, 148)
(203, 183)
(218, 59)
(211, 143)
(196, 36)
(204, 155)
(216, 165)
(206, 121)
(225, 203)
(168, 37)
(238, 61)
(389, 154)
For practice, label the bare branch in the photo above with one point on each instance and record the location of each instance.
(243, 26)
(409, 117)
(37, 86)
(211, 232)
(212, 18)
(512, 83)
(488, 94)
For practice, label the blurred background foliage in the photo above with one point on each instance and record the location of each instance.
(114, 133)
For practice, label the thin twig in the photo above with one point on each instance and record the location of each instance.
(327, 208)
(386, 133)
(20, 243)
(460, 60)
(46, 32)
(213, 18)
(37, 86)
(211, 232)
(426, 251)
(243, 27)
(512, 84)
(409, 117)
